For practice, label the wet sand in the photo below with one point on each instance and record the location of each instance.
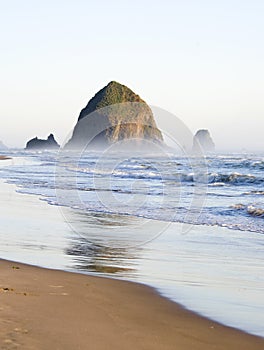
(50, 309)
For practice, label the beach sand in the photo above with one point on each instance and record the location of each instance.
(4, 158)
(50, 309)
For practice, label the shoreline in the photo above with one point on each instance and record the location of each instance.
(43, 308)
(23, 204)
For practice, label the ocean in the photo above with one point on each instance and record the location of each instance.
(190, 227)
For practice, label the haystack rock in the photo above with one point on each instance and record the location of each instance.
(202, 142)
(114, 114)
(36, 143)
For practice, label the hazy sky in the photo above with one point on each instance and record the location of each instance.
(201, 60)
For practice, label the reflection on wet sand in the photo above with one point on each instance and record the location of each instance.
(92, 257)
(100, 243)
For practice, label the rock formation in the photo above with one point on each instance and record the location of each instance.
(36, 143)
(115, 113)
(2, 146)
(202, 142)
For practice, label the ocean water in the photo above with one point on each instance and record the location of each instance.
(191, 227)
(221, 190)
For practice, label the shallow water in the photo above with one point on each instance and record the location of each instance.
(215, 271)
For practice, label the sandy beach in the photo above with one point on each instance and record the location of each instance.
(50, 309)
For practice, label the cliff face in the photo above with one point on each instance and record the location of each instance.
(202, 141)
(36, 143)
(115, 113)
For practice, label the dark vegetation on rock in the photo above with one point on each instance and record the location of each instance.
(114, 114)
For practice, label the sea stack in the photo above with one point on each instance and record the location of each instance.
(3, 146)
(114, 114)
(202, 142)
(37, 143)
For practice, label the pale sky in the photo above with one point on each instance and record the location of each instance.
(200, 60)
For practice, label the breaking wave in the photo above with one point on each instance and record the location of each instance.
(249, 209)
(162, 188)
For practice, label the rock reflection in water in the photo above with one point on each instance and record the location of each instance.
(97, 258)
(102, 243)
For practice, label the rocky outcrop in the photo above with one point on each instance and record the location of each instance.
(114, 114)
(202, 142)
(2, 146)
(36, 143)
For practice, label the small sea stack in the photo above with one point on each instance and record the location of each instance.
(36, 143)
(203, 142)
(3, 146)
